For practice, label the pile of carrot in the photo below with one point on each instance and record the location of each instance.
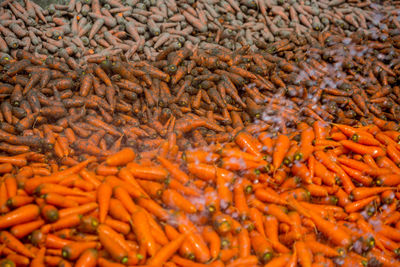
(140, 30)
(206, 96)
(323, 195)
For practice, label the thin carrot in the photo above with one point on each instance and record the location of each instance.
(20, 215)
(104, 192)
(337, 235)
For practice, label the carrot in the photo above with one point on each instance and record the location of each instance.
(149, 173)
(203, 171)
(124, 195)
(317, 247)
(175, 200)
(118, 226)
(59, 200)
(271, 231)
(104, 192)
(102, 262)
(118, 211)
(32, 184)
(269, 195)
(304, 253)
(213, 240)
(117, 252)
(122, 157)
(83, 209)
(359, 204)
(49, 213)
(102, 75)
(66, 222)
(39, 259)
(364, 138)
(20, 215)
(25, 229)
(72, 251)
(337, 235)
(365, 192)
(13, 243)
(248, 143)
(166, 251)
(327, 161)
(244, 261)
(279, 261)
(362, 149)
(199, 156)
(142, 231)
(88, 258)
(174, 170)
(280, 149)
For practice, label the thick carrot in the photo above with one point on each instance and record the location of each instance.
(72, 251)
(39, 259)
(174, 170)
(104, 192)
(142, 230)
(332, 231)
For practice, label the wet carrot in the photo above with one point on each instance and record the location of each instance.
(280, 149)
(88, 258)
(117, 252)
(122, 157)
(14, 244)
(167, 251)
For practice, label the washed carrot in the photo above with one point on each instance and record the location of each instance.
(304, 253)
(39, 259)
(337, 235)
(167, 251)
(122, 195)
(21, 230)
(142, 231)
(13, 243)
(122, 157)
(50, 213)
(117, 252)
(88, 258)
(248, 143)
(174, 170)
(280, 149)
(364, 192)
(20, 215)
(175, 200)
(362, 149)
(104, 193)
